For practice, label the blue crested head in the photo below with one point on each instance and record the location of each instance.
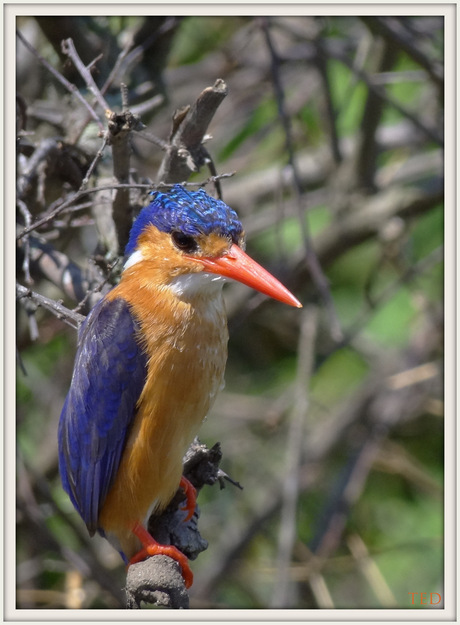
(189, 212)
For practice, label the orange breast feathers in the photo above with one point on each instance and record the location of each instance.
(185, 340)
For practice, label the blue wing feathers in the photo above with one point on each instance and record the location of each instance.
(108, 378)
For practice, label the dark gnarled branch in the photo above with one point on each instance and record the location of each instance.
(185, 153)
(158, 580)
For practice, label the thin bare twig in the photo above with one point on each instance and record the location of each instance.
(119, 128)
(364, 163)
(331, 115)
(394, 29)
(311, 259)
(68, 48)
(55, 266)
(68, 85)
(148, 105)
(96, 289)
(125, 58)
(54, 212)
(28, 220)
(430, 133)
(70, 317)
(94, 162)
(134, 54)
(370, 214)
(291, 486)
(148, 136)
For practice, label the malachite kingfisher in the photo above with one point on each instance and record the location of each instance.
(150, 361)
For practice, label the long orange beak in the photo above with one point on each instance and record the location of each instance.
(237, 265)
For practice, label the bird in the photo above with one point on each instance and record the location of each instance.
(149, 364)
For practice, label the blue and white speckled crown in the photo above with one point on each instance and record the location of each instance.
(189, 212)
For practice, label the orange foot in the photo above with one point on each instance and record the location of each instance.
(152, 548)
(190, 493)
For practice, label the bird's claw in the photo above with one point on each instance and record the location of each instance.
(150, 547)
(190, 494)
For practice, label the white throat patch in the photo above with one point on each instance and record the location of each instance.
(192, 284)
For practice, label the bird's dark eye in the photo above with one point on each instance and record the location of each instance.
(184, 242)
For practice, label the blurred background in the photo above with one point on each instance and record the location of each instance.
(332, 416)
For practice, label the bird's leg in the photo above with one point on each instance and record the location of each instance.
(150, 547)
(190, 493)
